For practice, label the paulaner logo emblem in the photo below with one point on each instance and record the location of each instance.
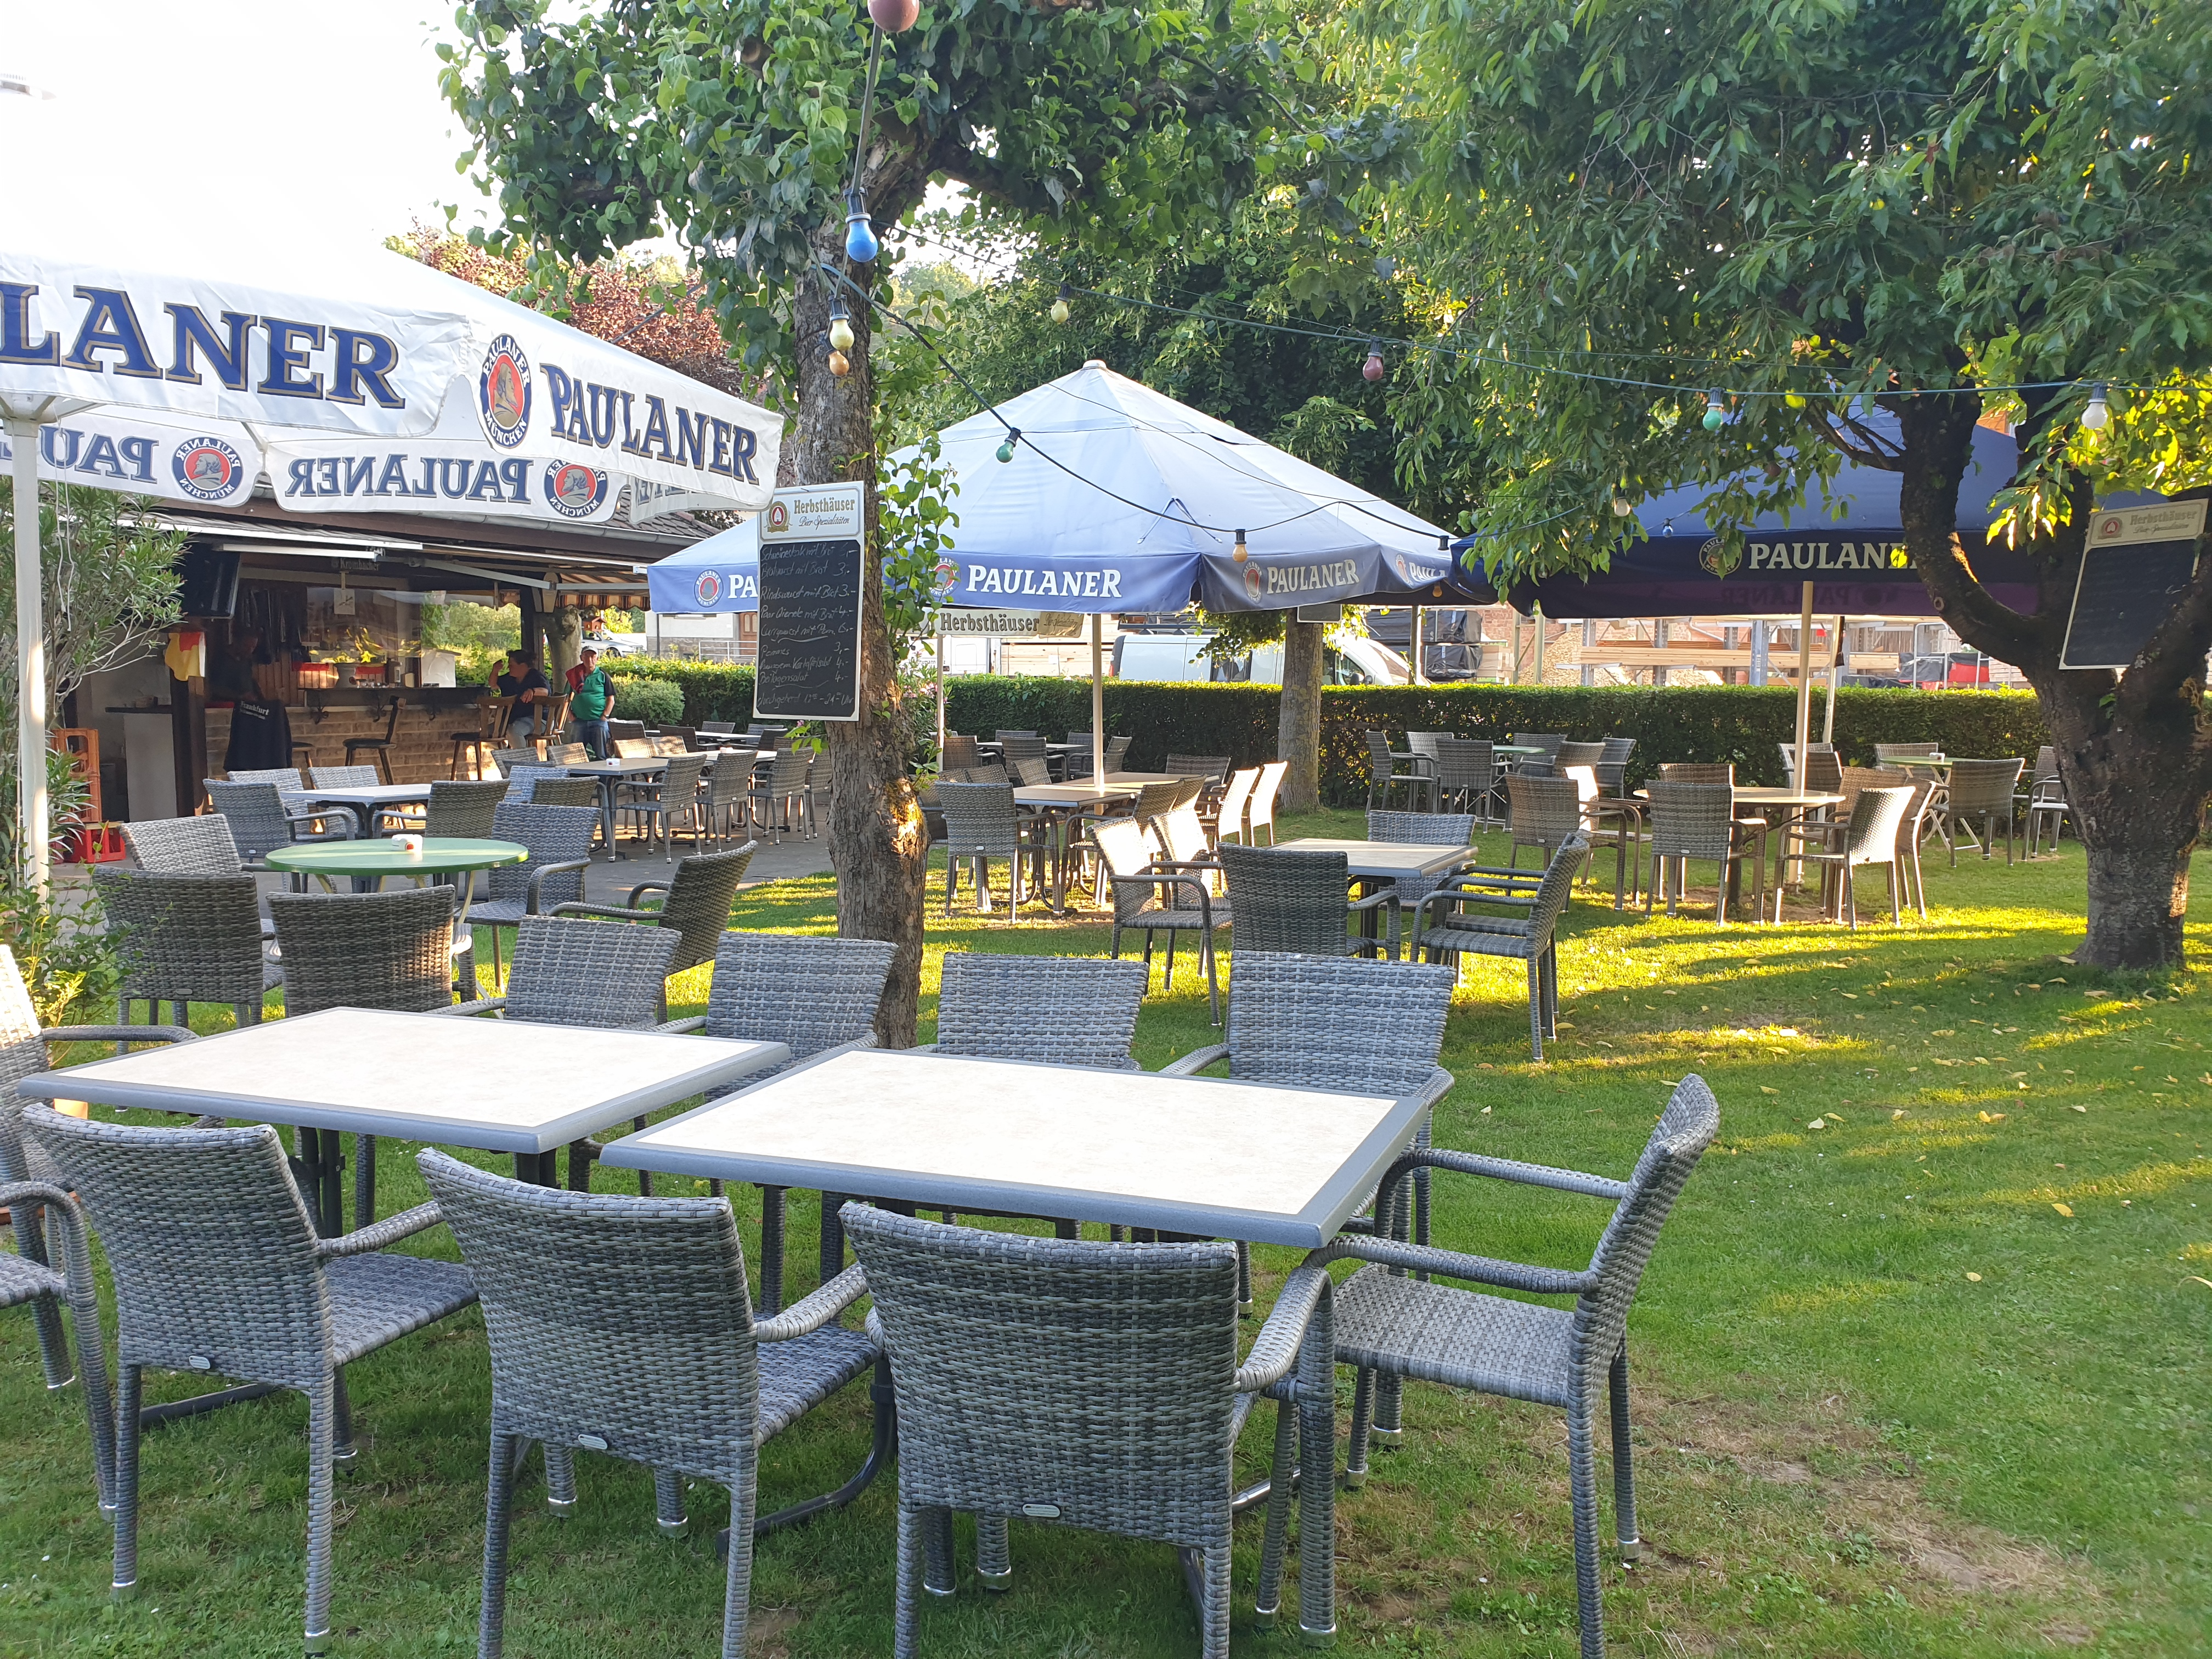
(503, 392)
(1713, 557)
(574, 491)
(779, 516)
(709, 589)
(207, 469)
(1256, 583)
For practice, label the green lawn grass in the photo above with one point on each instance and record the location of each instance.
(1891, 1397)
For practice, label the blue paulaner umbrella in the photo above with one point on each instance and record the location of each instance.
(713, 577)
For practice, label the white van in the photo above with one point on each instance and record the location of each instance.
(1357, 661)
(1163, 657)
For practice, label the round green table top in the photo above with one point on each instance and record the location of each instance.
(387, 858)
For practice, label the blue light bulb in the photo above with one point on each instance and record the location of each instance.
(860, 244)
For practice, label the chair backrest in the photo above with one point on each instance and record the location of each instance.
(1556, 889)
(1002, 734)
(625, 729)
(1150, 1328)
(1229, 815)
(1824, 773)
(1422, 829)
(551, 835)
(1124, 844)
(21, 1053)
(626, 1318)
(1789, 755)
(1851, 780)
(568, 754)
(565, 792)
(1262, 809)
(1887, 752)
(731, 776)
(1549, 742)
(1544, 811)
(634, 748)
(1153, 800)
(1578, 754)
(1692, 820)
(507, 759)
(184, 938)
(1017, 751)
(462, 807)
(787, 772)
(1212, 768)
(284, 777)
(255, 813)
(1425, 743)
(959, 752)
(344, 777)
(720, 728)
(697, 907)
(1117, 751)
(1982, 785)
(1584, 779)
(1032, 771)
(1698, 772)
(1617, 750)
(198, 846)
(1288, 901)
(365, 949)
(523, 779)
(1870, 836)
(1909, 825)
(807, 993)
(568, 971)
(1372, 1028)
(1464, 763)
(679, 784)
(669, 743)
(211, 1251)
(1067, 1011)
(980, 817)
(1182, 837)
(1684, 1129)
(1378, 754)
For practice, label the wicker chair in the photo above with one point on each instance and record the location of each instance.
(1227, 813)
(217, 1269)
(675, 795)
(1448, 929)
(959, 753)
(1577, 754)
(726, 793)
(1287, 900)
(1070, 1011)
(787, 786)
(200, 845)
(261, 821)
(1028, 759)
(559, 841)
(463, 809)
(1419, 778)
(1145, 1334)
(1890, 751)
(696, 908)
(811, 995)
(1981, 789)
(1423, 830)
(1697, 821)
(1156, 897)
(1261, 814)
(183, 940)
(1393, 1319)
(22, 1052)
(1608, 822)
(623, 1325)
(981, 823)
(2045, 802)
(1546, 813)
(1868, 837)
(1613, 767)
(506, 760)
(1078, 763)
(392, 950)
(1466, 774)
(44, 1208)
(1549, 742)
(1214, 769)
(344, 777)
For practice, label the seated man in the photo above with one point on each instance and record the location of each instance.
(521, 681)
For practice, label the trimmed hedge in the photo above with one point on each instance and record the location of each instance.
(712, 691)
(1738, 723)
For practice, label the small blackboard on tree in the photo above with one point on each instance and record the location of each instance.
(810, 570)
(2136, 563)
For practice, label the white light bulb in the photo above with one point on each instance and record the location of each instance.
(2099, 415)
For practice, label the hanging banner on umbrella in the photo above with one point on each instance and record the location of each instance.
(213, 464)
(321, 475)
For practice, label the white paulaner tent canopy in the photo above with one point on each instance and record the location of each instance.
(1118, 498)
(291, 345)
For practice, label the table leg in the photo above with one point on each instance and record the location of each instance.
(466, 993)
(330, 1182)
(607, 816)
(1316, 1409)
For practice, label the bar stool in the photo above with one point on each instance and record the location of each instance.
(490, 732)
(380, 747)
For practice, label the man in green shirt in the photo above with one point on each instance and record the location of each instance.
(591, 702)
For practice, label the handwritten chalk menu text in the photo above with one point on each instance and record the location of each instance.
(810, 567)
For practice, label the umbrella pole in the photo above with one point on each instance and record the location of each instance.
(940, 686)
(1804, 697)
(1419, 678)
(1098, 701)
(30, 656)
(1835, 683)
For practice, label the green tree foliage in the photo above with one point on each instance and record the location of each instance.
(1822, 208)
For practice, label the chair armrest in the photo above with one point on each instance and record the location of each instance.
(1196, 1061)
(644, 887)
(116, 1034)
(1375, 900)
(1507, 1169)
(812, 1312)
(1451, 1264)
(1438, 1085)
(1275, 1350)
(480, 1006)
(923, 1048)
(689, 1023)
(621, 913)
(538, 877)
(378, 1234)
(1204, 898)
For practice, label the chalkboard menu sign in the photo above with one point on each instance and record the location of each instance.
(2135, 565)
(810, 568)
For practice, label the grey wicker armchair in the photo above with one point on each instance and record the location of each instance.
(1136, 1433)
(981, 823)
(1154, 896)
(1868, 837)
(696, 905)
(726, 793)
(463, 808)
(1078, 763)
(183, 940)
(2046, 802)
(1423, 830)
(198, 846)
(1393, 1324)
(1456, 921)
(559, 841)
(1698, 821)
(29, 1277)
(1068, 1011)
(1419, 778)
(659, 804)
(1981, 789)
(1027, 758)
(218, 1268)
(1466, 774)
(1546, 813)
(262, 821)
(622, 1326)
(1260, 813)
(1287, 900)
(783, 801)
(1214, 769)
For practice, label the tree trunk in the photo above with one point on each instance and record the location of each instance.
(2134, 750)
(877, 845)
(1298, 738)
